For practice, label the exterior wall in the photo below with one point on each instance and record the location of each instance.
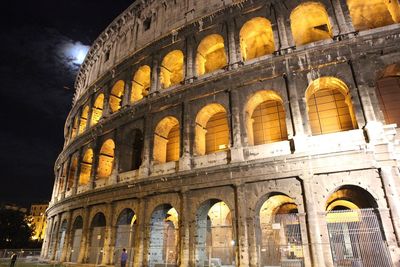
(306, 168)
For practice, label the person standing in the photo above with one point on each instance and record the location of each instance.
(124, 257)
(13, 259)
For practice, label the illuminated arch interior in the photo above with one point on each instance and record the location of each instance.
(373, 13)
(97, 237)
(329, 106)
(388, 92)
(116, 96)
(72, 171)
(172, 72)
(124, 233)
(166, 140)
(256, 38)
(265, 118)
(140, 83)
(310, 23)
(212, 130)
(97, 110)
(106, 159)
(211, 54)
(86, 167)
(83, 120)
(74, 130)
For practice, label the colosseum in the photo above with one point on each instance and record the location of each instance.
(234, 133)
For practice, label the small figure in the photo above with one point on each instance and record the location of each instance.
(13, 259)
(124, 257)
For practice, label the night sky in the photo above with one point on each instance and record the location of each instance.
(36, 86)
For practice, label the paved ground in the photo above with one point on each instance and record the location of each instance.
(27, 263)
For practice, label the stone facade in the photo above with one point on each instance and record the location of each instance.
(117, 185)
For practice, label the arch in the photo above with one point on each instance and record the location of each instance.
(167, 140)
(373, 13)
(256, 38)
(72, 172)
(265, 118)
(140, 83)
(86, 167)
(124, 235)
(350, 197)
(75, 125)
(76, 233)
(172, 69)
(116, 95)
(211, 54)
(84, 119)
(106, 159)
(131, 151)
(388, 92)
(310, 23)
(212, 130)
(97, 237)
(215, 238)
(97, 109)
(164, 235)
(61, 238)
(279, 226)
(329, 106)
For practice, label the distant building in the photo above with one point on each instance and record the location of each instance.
(37, 218)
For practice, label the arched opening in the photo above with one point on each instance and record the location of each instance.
(61, 240)
(97, 110)
(97, 233)
(83, 120)
(256, 38)
(211, 54)
(164, 234)
(388, 91)
(166, 140)
(329, 106)
(215, 239)
(172, 72)
(280, 241)
(116, 95)
(373, 13)
(310, 23)
(355, 232)
(212, 130)
(131, 151)
(86, 167)
(125, 235)
(140, 83)
(265, 118)
(74, 130)
(52, 238)
(76, 239)
(106, 160)
(72, 172)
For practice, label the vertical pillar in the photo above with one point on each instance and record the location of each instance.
(127, 92)
(190, 66)
(89, 118)
(46, 241)
(107, 249)
(77, 172)
(236, 149)
(283, 33)
(145, 167)
(254, 238)
(95, 162)
(184, 230)
(242, 247)
(67, 240)
(154, 87)
(54, 236)
(85, 236)
(304, 239)
(140, 235)
(233, 48)
(316, 224)
(185, 159)
(343, 21)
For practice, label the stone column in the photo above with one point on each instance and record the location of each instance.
(285, 34)
(46, 241)
(54, 237)
(344, 24)
(108, 247)
(140, 234)
(254, 238)
(127, 92)
(184, 224)
(154, 87)
(145, 167)
(234, 54)
(89, 118)
(95, 162)
(67, 240)
(318, 232)
(77, 172)
(304, 239)
(242, 247)
(190, 59)
(85, 236)
(236, 149)
(185, 159)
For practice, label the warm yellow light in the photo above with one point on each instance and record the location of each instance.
(106, 159)
(84, 118)
(116, 96)
(86, 167)
(172, 69)
(97, 110)
(140, 83)
(166, 140)
(211, 54)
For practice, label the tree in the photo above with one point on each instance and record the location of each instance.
(15, 231)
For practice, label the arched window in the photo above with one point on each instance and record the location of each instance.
(212, 130)
(116, 95)
(211, 54)
(97, 237)
(124, 236)
(86, 167)
(279, 228)
(373, 13)
(310, 23)
(172, 72)
(61, 238)
(329, 106)
(106, 159)
(72, 171)
(214, 235)
(84, 118)
(265, 118)
(97, 110)
(75, 125)
(131, 150)
(76, 239)
(388, 91)
(164, 234)
(140, 83)
(256, 38)
(166, 140)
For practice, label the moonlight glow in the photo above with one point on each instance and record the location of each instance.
(75, 52)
